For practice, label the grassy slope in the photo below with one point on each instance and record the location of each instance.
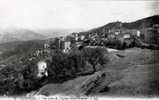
(132, 75)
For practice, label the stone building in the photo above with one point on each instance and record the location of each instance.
(150, 35)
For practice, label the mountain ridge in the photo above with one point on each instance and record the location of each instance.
(13, 34)
(22, 34)
(138, 24)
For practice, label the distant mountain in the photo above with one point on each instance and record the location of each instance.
(143, 23)
(11, 35)
(50, 33)
(15, 34)
(139, 24)
(12, 51)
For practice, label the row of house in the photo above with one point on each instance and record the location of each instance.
(148, 35)
(60, 43)
(64, 43)
(76, 39)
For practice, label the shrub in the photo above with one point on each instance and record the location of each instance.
(15, 80)
(94, 55)
(65, 66)
(18, 79)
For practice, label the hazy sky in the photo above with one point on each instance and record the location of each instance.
(85, 14)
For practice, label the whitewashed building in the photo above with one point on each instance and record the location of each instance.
(138, 33)
(82, 37)
(67, 46)
(126, 36)
(42, 69)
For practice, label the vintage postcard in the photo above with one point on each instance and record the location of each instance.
(79, 49)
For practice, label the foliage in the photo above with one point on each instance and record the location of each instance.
(65, 66)
(95, 56)
(18, 80)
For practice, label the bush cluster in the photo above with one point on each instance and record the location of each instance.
(18, 79)
(65, 66)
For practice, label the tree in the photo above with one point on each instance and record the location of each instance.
(94, 55)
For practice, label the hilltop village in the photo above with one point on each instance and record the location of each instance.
(110, 38)
(84, 58)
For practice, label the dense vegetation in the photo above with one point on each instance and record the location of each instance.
(76, 62)
(22, 78)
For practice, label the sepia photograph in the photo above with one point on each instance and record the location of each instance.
(79, 49)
